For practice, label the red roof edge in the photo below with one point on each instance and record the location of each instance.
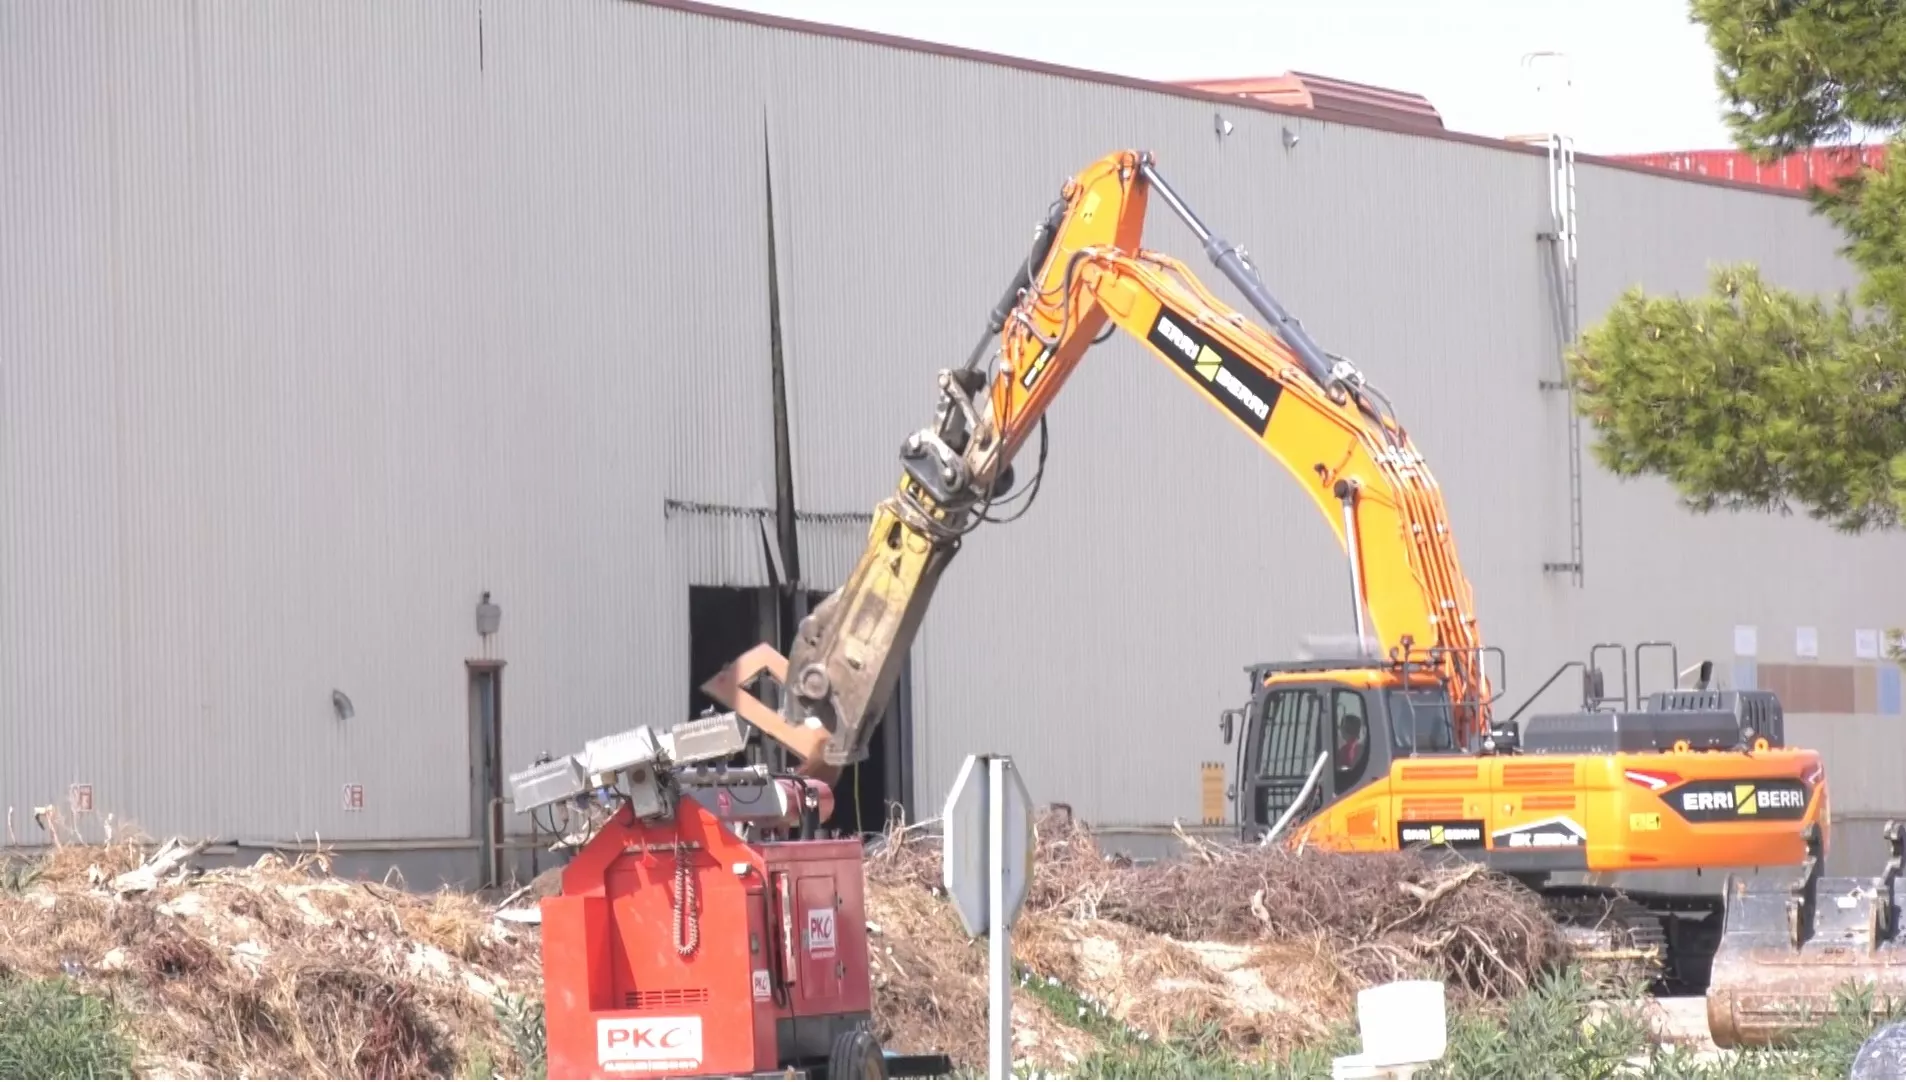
(1797, 172)
(1303, 90)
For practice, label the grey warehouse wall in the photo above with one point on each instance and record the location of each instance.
(301, 355)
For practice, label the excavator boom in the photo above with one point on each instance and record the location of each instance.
(1313, 413)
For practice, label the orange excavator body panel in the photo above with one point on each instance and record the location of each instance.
(1707, 810)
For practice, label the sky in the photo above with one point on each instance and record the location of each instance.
(1636, 75)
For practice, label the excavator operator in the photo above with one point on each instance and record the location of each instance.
(1352, 755)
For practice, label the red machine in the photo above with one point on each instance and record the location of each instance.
(679, 949)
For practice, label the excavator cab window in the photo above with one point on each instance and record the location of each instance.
(1420, 720)
(1297, 728)
(1292, 725)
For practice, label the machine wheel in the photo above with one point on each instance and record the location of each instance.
(856, 1055)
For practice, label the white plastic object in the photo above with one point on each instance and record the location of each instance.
(1403, 1024)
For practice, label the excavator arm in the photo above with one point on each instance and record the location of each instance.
(1086, 275)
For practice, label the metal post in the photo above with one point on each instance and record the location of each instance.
(998, 935)
(496, 841)
(1348, 494)
(989, 834)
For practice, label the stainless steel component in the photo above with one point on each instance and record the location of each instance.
(611, 754)
(745, 796)
(707, 739)
(647, 769)
(721, 776)
(650, 793)
(640, 764)
(548, 783)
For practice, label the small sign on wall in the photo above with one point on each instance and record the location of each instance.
(1866, 644)
(1806, 642)
(353, 796)
(1746, 640)
(80, 797)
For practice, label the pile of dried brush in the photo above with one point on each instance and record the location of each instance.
(281, 970)
(1385, 916)
(929, 987)
(1265, 945)
(275, 970)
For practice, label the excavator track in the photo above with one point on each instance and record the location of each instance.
(1664, 941)
(1615, 939)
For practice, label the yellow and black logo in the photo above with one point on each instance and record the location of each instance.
(1461, 834)
(1712, 801)
(1239, 386)
(1036, 369)
(1207, 364)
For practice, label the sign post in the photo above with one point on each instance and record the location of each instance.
(987, 870)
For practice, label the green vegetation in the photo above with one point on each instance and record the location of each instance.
(1560, 1029)
(17, 875)
(51, 1029)
(1755, 397)
(522, 1020)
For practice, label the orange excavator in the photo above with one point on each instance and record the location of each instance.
(1393, 742)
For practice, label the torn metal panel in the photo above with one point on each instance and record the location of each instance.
(719, 545)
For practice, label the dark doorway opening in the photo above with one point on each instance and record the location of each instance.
(486, 769)
(724, 621)
(871, 787)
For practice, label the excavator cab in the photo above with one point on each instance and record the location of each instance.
(1317, 731)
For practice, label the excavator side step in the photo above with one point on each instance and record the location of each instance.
(1793, 947)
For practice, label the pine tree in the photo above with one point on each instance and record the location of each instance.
(1755, 397)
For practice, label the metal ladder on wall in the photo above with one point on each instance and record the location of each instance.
(1560, 239)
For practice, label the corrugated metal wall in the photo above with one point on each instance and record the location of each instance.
(303, 353)
(320, 320)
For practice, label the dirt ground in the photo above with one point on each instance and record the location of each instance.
(281, 970)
